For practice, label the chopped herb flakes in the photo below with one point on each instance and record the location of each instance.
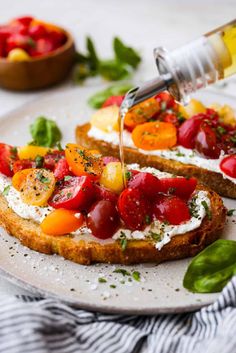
(147, 219)
(39, 161)
(122, 271)
(6, 190)
(67, 177)
(136, 276)
(154, 236)
(42, 178)
(208, 211)
(123, 241)
(128, 175)
(179, 154)
(231, 212)
(112, 286)
(102, 280)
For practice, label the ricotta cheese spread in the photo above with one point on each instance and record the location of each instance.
(179, 153)
(158, 232)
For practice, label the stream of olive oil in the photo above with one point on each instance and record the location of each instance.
(125, 107)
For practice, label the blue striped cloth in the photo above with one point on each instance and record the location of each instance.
(28, 325)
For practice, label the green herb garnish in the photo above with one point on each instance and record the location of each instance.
(212, 268)
(221, 130)
(136, 276)
(102, 280)
(208, 211)
(122, 271)
(179, 154)
(112, 286)
(42, 178)
(231, 212)
(67, 177)
(147, 219)
(154, 236)
(39, 161)
(6, 190)
(45, 132)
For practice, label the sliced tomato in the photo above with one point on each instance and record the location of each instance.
(23, 164)
(206, 142)
(228, 166)
(187, 132)
(61, 169)
(76, 193)
(171, 209)
(51, 159)
(134, 209)
(103, 219)
(181, 186)
(103, 193)
(113, 100)
(147, 183)
(8, 155)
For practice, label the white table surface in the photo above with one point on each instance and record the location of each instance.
(142, 24)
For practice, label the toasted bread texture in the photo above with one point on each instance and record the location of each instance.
(214, 180)
(87, 252)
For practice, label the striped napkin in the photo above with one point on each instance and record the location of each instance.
(29, 325)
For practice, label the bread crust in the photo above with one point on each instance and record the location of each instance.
(138, 251)
(214, 180)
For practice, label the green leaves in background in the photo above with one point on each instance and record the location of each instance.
(125, 61)
(210, 270)
(45, 132)
(97, 100)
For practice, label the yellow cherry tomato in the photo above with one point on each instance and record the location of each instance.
(194, 107)
(61, 222)
(31, 152)
(35, 185)
(18, 55)
(112, 177)
(106, 119)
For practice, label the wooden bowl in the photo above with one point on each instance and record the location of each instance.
(39, 72)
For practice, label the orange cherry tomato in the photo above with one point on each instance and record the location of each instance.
(141, 113)
(19, 178)
(83, 162)
(154, 135)
(61, 222)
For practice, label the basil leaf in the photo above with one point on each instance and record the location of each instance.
(212, 268)
(113, 70)
(126, 54)
(45, 132)
(92, 55)
(97, 100)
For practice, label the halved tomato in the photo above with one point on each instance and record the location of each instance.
(8, 155)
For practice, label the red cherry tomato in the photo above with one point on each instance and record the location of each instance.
(171, 209)
(109, 159)
(188, 130)
(103, 219)
(51, 159)
(134, 208)
(23, 164)
(8, 155)
(166, 100)
(169, 118)
(181, 187)
(61, 169)
(42, 46)
(113, 100)
(206, 142)
(105, 194)
(228, 166)
(147, 183)
(76, 193)
(25, 20)
(19, 41)
(58, 38)
(38, 31)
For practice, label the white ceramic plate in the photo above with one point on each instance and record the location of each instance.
(160, 289)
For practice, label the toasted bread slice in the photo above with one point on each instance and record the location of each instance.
(214, 180)
(86, 252)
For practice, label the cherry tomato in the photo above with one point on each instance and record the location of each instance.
(104, 194)
(25, 20)
(42, 46)
(166, 100)
(188, 130)
(19, 41)
(228, 166)
(181, 186)
(8, 155)
(169, 118)
(109, 159)
(23, 164)
(171, 209)
(103, 219)
(75, 193)
(147, 183)
(113, 100)
(38, 31)
(206, 143)
(134, 208)
(51, 159)
(57, 37)
(61, 169)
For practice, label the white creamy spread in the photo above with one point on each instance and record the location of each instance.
(158, 232)
(179, 153)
